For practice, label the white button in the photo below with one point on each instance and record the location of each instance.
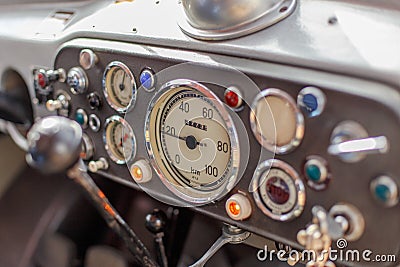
(141, 171)
(238, 207)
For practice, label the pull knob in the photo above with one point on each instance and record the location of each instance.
(97, 165)
(60, 104)
(44, 78)
(350, 142)
(53, 105)
(87, 59)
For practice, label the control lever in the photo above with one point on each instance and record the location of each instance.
(54, 145)
(230, 234)
(155, 223)
(350, 142)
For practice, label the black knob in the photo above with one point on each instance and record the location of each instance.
(156, 221)
(94, 100)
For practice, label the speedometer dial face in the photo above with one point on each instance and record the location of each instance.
(119, 86)
(192, 141)
(119, 140)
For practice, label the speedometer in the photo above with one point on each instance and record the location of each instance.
(192, 141)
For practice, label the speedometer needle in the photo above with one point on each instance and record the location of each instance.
(190, 140)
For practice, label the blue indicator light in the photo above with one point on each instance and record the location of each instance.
(147, 79)
(310, 102)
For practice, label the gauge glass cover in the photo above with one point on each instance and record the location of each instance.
(276, 121)
(278, 190)
(192, 142)
(119, 87)
(119, 140)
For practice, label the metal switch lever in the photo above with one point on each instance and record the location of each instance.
(350, 142)
(230, 234)
(368, 145)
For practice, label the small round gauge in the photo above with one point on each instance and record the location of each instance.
(192, 141)
(119, 140)
(276, 121)
(119, 86)
(278, 190)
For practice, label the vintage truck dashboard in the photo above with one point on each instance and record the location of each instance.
(254, 128)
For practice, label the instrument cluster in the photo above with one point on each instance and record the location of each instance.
(237, 142)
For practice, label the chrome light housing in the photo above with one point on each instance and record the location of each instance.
(227, 19)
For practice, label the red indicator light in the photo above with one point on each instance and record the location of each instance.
(41, 80)
(233, 97)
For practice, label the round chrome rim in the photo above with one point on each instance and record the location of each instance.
(190, 194)
(299, 133)
(301, 194)
(389, 182)
(133, 84)
(152, 77)
(132, 137)
(271, 17)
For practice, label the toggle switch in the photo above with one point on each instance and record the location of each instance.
(350, 142)
(43, 79)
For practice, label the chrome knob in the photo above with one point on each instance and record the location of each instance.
(87, 59)
(97, 165)
(87, 148)
(53, 105)
(61, 104)
(77, 80)
(350, 142)
(54, 144)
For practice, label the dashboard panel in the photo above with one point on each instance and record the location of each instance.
(291, 128)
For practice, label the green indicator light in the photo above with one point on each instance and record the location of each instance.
(382, 192)
(80, 118)
(313, 173)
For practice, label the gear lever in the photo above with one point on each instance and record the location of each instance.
(54, 145)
